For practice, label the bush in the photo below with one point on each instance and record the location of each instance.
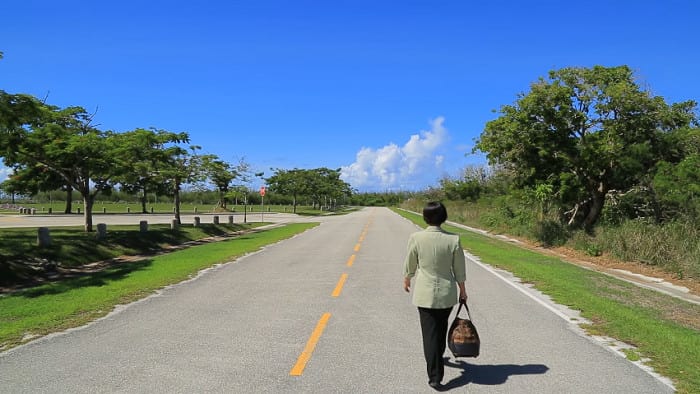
(550, 232)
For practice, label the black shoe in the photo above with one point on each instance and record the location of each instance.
(436, 385)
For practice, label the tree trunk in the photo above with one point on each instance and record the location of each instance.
(597, 202)
(177, 202)
(222, 199)
(69, 199)
(294, 204)
(88, 201)
(144, 199)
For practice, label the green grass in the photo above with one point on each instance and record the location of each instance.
(72, 246)
(74, 302)
(662, 328)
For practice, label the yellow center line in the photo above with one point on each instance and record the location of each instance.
(304, 357)
(351, 260)
(339, 286)
(357, 247)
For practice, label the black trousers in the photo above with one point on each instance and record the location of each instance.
(433, 324)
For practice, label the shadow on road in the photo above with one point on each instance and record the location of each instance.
(489, 375)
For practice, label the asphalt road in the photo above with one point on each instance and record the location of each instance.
(243, 327)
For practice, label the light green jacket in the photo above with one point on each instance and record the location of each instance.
(436, 259)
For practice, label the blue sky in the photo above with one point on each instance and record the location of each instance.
(392, 92)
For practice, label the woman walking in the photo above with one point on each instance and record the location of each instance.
(436, 259)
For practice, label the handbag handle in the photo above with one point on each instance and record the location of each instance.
(463, 304)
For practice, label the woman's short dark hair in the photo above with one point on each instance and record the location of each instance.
(434, 213)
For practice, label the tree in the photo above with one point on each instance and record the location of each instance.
(146, 155)
(62, 141)
(289, 182)
(584, 131)
(182, 166)
(324, 183)
(676, 181)
(221, 174)
(320, 184)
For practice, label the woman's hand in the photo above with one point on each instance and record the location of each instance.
(463, 297)
(406, 284)
(462, 293)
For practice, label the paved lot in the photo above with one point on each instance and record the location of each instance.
(242, 327)
(56, 220)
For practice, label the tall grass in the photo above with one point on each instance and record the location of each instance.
(673, 247)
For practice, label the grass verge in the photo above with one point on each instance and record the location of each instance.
(662, 328)
(21, 260)
(74, 302)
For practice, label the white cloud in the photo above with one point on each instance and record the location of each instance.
(405, 167)
(5, 173)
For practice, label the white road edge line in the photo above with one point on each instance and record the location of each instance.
(609, 343)
(518, 287)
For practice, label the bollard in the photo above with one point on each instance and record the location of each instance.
(151, 209)
(104, 210)
(216, 219)
(230, 219)
(173, 224)
(196, 221)
(33, 211)
(173, 209)
(78, 210)
(43, 238)
(101, 230)
(50, 210)
(143, 226)
(128, 210)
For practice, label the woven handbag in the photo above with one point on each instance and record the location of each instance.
(462, 338)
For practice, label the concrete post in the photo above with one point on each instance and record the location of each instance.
(101, 230)
(43, 238)
(230, 219)
(128, 209)
(143, 226)
(104, 210)
(50, 211)
(216, 219)
(196, 221)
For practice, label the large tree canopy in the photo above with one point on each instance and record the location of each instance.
(61, 141)
(585, 131)
(320, 184)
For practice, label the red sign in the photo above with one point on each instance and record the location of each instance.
(262, 191)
